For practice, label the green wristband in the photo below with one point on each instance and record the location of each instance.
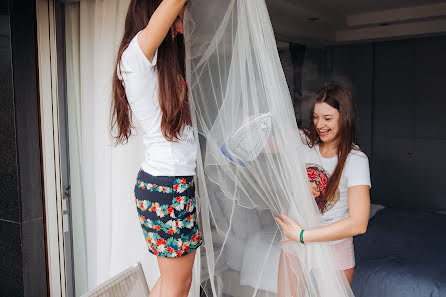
(302, 236)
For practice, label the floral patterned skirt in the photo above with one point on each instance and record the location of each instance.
(167, 211)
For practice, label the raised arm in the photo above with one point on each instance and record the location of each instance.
(159, 24)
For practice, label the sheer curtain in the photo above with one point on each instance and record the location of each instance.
(251, 168)
(107, 237)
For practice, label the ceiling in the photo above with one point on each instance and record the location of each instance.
(355, 20)
(344, 7)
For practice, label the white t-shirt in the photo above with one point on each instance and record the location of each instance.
(140, 79)
(356, 172)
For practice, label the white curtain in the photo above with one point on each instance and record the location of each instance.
(107, 236)
(250, 168)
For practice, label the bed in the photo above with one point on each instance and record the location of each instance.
(403, 253)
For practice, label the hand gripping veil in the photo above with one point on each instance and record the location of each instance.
(249, 169)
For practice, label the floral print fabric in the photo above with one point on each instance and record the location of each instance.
(179, 186)
(167, 213)
(318, 178)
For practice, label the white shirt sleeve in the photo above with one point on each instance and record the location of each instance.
(139, 78)
(357, 169)
(133, 60)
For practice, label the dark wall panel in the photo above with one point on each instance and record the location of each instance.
(430, 108)
(354, 63)
(393, 123)
(34, 264)
(11, 280)
(26, 100)
(393, 172)
(9, 202)
(394, 89)
(431, 88)
(23, 269)
(430, 163)
(11, 283)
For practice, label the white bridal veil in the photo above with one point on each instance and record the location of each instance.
(250, 170)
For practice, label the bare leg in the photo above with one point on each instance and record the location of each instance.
(291, 281)
(349, 274)
(156, 290)
(176, 275)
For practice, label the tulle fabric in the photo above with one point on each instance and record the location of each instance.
(235, 75)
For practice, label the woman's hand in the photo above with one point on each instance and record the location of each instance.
(290, 228)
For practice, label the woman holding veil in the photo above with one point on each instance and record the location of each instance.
(149, 82)
(338, 172)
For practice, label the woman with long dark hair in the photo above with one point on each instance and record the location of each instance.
(149, 83)
(339, 177)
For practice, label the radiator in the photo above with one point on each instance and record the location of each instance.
(129, 283)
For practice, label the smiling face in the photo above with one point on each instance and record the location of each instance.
(177, 26)
(326, 122)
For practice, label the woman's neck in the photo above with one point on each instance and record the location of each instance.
(328, 149)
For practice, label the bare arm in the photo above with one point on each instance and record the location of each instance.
(356, 223)
(159, 24)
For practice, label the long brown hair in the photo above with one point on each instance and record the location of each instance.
(170, 65)
(340, 98)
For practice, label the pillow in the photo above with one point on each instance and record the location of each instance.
(374, 208)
